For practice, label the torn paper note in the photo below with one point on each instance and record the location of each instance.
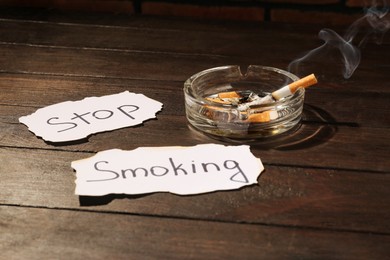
(179, 170)
(75, 120)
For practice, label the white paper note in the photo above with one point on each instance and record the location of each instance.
(75, 120)
(179, 170)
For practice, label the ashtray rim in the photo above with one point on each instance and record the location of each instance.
(202, 100)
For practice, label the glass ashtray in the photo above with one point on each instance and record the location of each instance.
(215, 102)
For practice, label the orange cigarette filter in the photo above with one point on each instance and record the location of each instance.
(224, 97)
(265, 116)
(303, 83)
(231, 94)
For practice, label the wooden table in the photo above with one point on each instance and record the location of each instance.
(324, 193)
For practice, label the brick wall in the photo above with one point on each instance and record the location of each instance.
(297, 11)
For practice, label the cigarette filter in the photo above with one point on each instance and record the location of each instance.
(263, 117)
(231, 94)
(231, 97)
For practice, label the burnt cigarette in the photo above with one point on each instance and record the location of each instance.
(283, 92)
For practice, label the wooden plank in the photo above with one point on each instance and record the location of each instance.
(325, 105)
(95, 63)
(145, 22)
(212, 39)
(171, 23)
(157, 39)
(75, 62)
(299, 197)
(43, 233)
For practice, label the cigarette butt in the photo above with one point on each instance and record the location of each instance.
(262, 117)
(303, 83)
(218, 114)
(218, 100)
(231, 94)
(227, 98)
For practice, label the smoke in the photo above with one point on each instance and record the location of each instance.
(343, 53)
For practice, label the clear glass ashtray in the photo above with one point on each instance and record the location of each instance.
(216, 102)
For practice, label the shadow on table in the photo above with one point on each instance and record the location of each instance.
(316, 127)
(106, 199)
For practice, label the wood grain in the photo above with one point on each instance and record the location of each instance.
(102, 51)
(151, 39)
(324, 192)
(78, 235)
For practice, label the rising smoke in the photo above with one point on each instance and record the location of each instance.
(343, 53)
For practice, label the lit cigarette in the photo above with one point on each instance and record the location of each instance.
(283, 92)
(293, 87)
